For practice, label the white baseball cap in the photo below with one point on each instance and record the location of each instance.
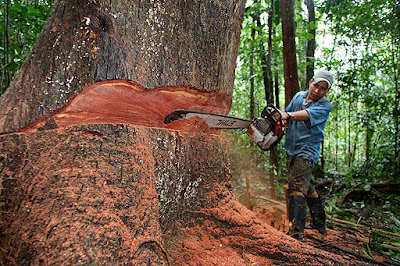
(324, 76)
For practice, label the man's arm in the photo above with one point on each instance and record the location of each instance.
(301, 115)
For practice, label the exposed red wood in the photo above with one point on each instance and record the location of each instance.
(125, 102)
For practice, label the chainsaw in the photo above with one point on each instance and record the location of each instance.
(265, 131)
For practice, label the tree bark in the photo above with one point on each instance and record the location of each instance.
(270, 79)
(6, 79)
(174, 43)
(265, 65)
(73, 195)
(274, 152)
(252, 76)
(289, 50)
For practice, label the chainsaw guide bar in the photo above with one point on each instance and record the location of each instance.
(265, 132)
(212, 120)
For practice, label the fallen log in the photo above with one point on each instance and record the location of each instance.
(351, 226)
(378, 190)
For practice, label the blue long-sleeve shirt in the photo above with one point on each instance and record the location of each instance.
(304, 138)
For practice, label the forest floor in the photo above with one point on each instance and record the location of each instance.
(366, 241)
(342, 240)
(228, 235)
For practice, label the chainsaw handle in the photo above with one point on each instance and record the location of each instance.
(271, 113)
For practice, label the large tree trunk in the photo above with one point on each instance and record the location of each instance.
(100, 193)
(289, 49)
(191, 44)
(90, 174)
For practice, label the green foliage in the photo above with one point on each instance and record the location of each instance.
(362, 130)
(358, 41)
(26, 20)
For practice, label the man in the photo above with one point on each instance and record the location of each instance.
(307, 114)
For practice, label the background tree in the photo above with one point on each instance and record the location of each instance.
(260, 22)
(310, 54)
(289, 49)
(366, 85)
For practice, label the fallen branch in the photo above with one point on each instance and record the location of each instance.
(348, 192)
(358, 256)
(363, 227)
(378, 190)
(384, 245)
(270, 200)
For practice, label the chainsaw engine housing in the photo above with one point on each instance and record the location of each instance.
(266, 131)
(262, 134)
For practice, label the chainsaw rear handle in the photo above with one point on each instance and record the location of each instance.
(271, 113)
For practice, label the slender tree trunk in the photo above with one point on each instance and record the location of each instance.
(289, 49)
(310, 56)
(396, 111)
(268, 70)
(349, 133)
(311, 43)
(336, 137)
(252, 52)
(266, 66)
(268, 86)
(355, 142)
(274, 166)
(6, 74)
(265, 63)
(276, 77)
(368, 141)
(276, 72)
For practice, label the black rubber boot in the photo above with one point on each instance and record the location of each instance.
(297, 217)
(317, 214)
